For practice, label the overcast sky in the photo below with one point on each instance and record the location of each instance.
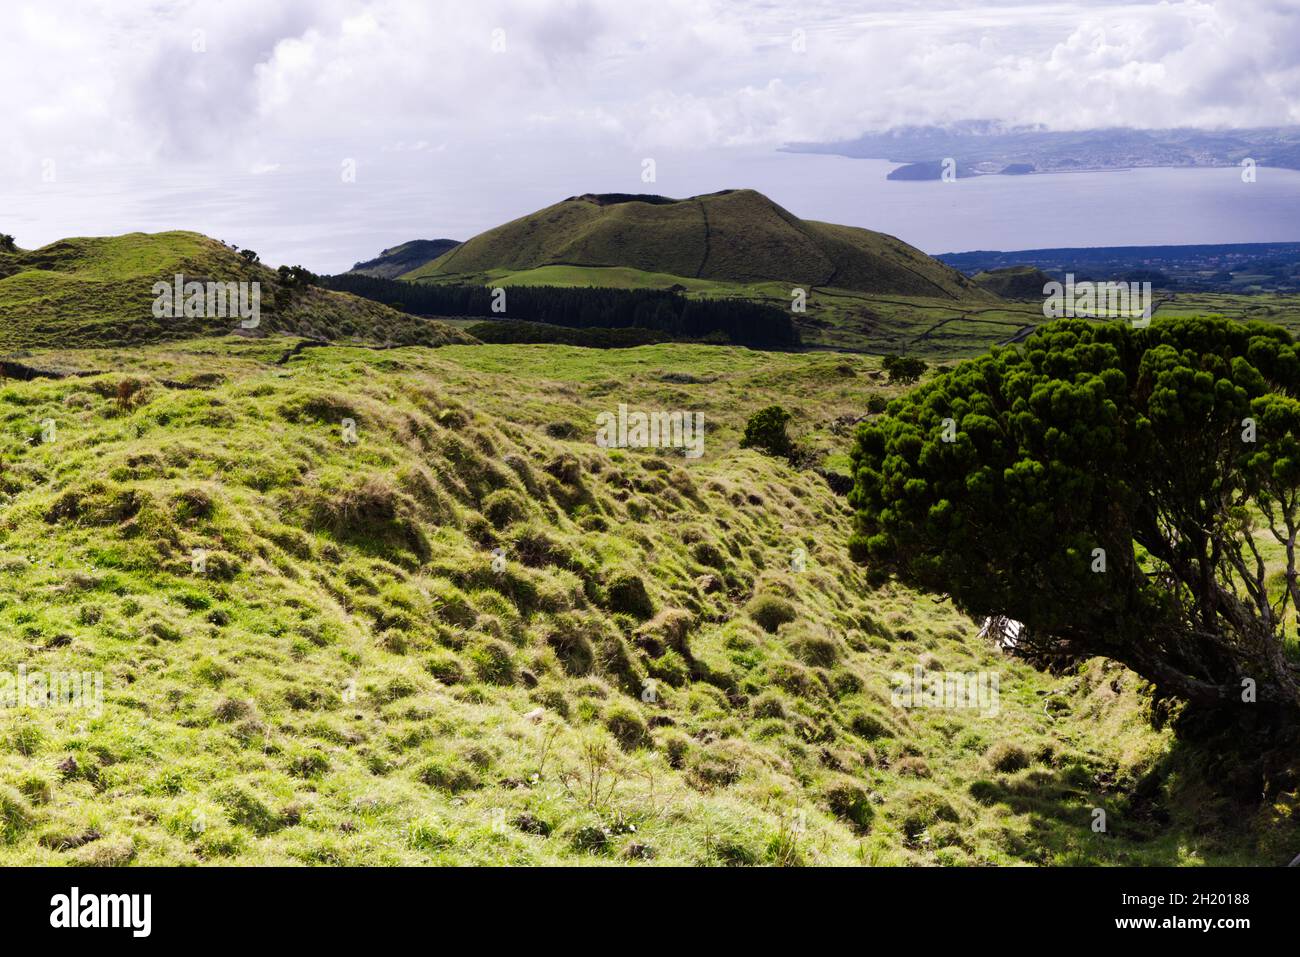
(189, 114)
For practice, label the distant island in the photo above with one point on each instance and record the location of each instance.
(983, 148)
(1246, 268)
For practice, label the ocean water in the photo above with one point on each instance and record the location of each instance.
(1137, 207)
(305, 213)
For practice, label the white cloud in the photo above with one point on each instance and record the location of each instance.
(126, 79)
(168, 94)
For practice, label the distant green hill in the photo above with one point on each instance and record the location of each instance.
(1013, 282)
(737, 236)
(99, 292)
(393, 262)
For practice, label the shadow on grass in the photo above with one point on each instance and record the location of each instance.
(1215, 802)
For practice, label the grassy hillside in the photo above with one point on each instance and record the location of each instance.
(736, 236)
(621, 277)
(1014, 282)
(940, 329)
(403, 258)
(867, 292)
(98, 291)
(1282, 310)
(346, 678)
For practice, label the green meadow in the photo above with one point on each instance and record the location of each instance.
(361, 606)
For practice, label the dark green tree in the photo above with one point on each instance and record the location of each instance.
(297, 276)
(765, 431)
(904, 369)
(7, 243)
(1131, 493)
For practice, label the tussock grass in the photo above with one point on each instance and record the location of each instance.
(354, 677)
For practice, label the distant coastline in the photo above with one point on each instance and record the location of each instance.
(963, 151)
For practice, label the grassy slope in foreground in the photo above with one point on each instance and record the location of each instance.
(99, 291)
(737, 236)
(351, 682)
